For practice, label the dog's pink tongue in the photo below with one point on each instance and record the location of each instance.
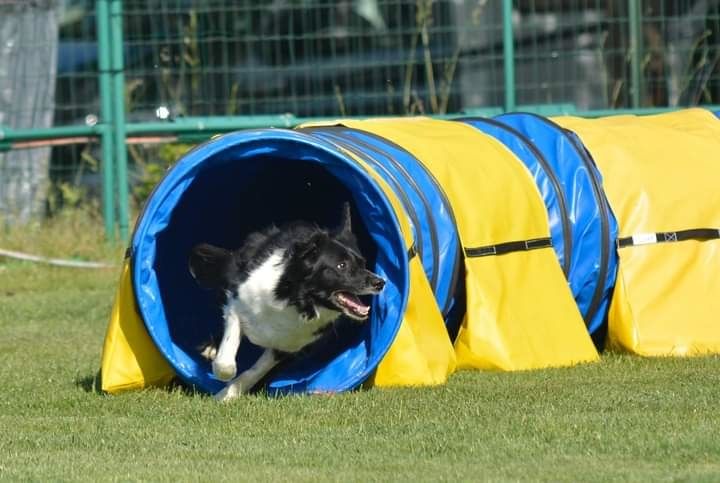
(354, 304)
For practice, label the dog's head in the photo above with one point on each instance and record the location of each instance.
(327, 270)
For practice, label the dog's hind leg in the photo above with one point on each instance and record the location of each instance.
(223, 365)
(245, 381)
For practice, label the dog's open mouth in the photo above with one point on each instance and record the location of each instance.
(351, 305)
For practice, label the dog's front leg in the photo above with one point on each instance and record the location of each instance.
(224, 366)
(245, 381)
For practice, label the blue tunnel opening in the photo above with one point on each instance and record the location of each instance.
(219, 193)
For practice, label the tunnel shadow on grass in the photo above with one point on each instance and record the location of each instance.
(90, 383)
(93, 384)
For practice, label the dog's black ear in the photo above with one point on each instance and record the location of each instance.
(309, 250)
(344, 232)
(345, 221)
(209, 265)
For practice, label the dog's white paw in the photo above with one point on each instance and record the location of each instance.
(224, 370)
(230, 392)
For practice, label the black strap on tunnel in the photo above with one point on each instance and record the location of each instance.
(412, 252)
(551, 174)
(699, 234)
(509, 247)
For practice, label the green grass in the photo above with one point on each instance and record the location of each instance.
(622, 419)
(73, 234)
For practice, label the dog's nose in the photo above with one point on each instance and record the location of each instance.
(378, 284)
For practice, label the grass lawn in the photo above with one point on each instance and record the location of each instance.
(625, 418)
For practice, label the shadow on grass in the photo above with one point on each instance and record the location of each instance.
(89, 383)
(93, 384)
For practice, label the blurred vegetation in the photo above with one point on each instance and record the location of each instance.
(150, 165)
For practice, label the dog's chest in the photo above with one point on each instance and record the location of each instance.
(269, 322)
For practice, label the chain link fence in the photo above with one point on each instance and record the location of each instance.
(256, 60)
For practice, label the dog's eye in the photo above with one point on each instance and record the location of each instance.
(341, 266)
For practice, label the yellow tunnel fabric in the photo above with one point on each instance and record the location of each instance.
(661, 174)
(421, 353)
(130, 359)
(520, 310)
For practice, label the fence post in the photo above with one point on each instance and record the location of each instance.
(118, 84)
(508, 56)
(635, 26)
(102, 18)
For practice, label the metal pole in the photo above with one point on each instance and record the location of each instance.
(635, 21)
(508, 56)
(102, 15)
(215, 124)
(118, 111)
(29, 134)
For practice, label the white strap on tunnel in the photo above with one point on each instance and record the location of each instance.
(699, 234)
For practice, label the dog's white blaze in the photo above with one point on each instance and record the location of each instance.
(267, 321)
(257, 292)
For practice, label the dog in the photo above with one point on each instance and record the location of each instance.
(282, 290)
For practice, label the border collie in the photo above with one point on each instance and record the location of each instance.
(282, 290)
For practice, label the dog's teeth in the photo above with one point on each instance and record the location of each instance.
(353, 303)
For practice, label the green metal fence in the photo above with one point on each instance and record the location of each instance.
(138, 73)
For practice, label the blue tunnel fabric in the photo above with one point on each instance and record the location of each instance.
(548, 184)
(582, 225)
(199, 201)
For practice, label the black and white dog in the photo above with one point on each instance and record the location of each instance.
(282, 289)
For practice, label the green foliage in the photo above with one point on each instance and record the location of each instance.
(151, 175)
(170, 153)
(64, 195)
(68, 192)
(623, 419)
(151, 165)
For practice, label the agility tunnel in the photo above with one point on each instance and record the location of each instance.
(582, 226)
(447, 214)
(661, 175)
